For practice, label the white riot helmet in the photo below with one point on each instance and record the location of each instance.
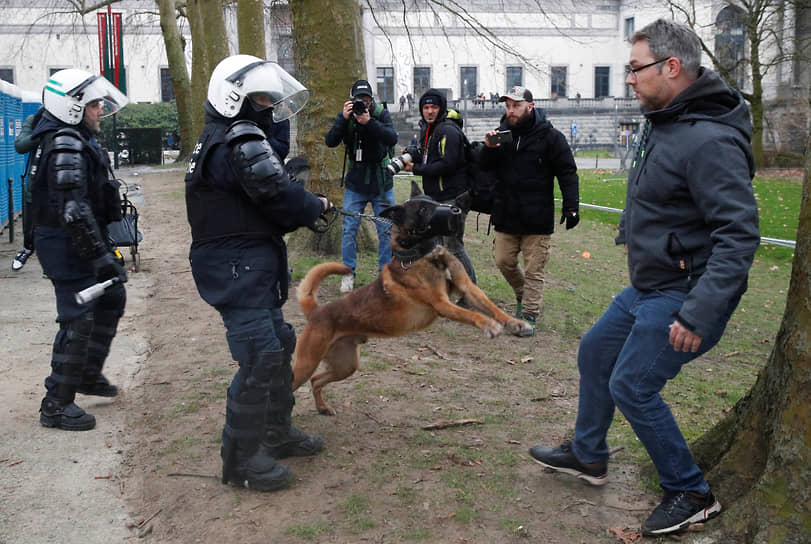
(264, 82)
(68, 92)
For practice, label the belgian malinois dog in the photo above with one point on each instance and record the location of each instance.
(411, 292)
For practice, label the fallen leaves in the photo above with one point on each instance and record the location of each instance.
(625, 535)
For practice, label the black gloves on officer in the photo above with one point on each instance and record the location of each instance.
(107, 267)
(571, 217)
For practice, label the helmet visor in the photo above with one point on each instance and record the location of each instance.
(97, 88)
(287, 95)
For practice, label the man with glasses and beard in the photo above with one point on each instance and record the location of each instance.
(524, 202)
(690, 229)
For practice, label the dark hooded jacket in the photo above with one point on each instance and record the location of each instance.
(524, 199)
(691, 219)
(442, 145)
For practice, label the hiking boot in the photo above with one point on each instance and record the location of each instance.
(562, 459)
(291, 442)
(99, 387)
(678, 510)
(67, 417)
(347, 283)
(258, 471)
(530, 319)
(21, 258)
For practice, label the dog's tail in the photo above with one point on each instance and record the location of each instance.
(308, 288)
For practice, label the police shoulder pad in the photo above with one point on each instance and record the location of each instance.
(244, 130)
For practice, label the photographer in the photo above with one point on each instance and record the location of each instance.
(365, 128)
(524, 205)
(442, 164)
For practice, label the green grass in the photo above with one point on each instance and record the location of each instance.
(309, 531)
(778, 207)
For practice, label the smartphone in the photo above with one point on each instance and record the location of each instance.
(500, 137)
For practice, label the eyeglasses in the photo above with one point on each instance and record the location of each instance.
(633, 71)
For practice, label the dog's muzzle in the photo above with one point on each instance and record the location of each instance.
(446, 220)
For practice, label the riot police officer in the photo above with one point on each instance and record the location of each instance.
(240, 202)
(74, 199)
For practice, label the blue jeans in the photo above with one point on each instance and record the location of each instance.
(356, 202)
(625, 360)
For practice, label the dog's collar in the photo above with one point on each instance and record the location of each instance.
(407, 256)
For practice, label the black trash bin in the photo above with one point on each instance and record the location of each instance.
(144, 145)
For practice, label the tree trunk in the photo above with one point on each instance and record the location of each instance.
(329, 55)
(209, 46)
(181, 85)
(251, 28)
(756, 101)
(758, 459)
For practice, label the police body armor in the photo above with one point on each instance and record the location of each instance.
(218, 209)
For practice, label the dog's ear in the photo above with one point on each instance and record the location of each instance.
(415, 189)
(464, 201)
(396, 214)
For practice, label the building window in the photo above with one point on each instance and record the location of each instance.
(468, 82)
(558, 80)
(730, 48)
(52, 71)
(422, 80)
(7, 75)
(385, 85)
(515, 77)
(601, 74)
(629, 27)
(167, 91)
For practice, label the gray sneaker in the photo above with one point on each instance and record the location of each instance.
(562, 459)
(680, 509)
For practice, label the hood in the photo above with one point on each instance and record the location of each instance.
(435, 97)
(48, 122)
(709, 98)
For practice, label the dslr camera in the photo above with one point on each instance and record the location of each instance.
(410, 153)
(358, 106)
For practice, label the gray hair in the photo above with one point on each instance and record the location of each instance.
(670, 39)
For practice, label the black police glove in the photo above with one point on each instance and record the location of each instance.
(571, 217)
(107, 267)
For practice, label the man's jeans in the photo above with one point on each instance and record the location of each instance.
(356, 202)
(625, 360)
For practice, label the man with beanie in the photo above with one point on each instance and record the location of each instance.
(366, 129)
(524, 202)
(442, 164)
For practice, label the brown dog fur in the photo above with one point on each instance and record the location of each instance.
(403, 299)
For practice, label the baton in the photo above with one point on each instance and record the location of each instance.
(95, 291)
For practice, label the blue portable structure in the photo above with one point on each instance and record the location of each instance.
(15, 105)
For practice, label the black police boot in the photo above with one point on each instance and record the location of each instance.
(64, 415)
(281, 438)
(244, 462)
(67, 364)
(106, 314)
(247, 465)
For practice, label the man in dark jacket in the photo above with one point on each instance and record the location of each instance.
(690, 228)
(73, 200)
(368, 135)
(24, 144)
(524, 200)
(240, 203)
(442, 164)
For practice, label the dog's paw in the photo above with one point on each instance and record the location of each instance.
(493, 329)
(518, 327)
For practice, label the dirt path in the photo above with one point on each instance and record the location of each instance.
(58, 486)
(381, 478)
